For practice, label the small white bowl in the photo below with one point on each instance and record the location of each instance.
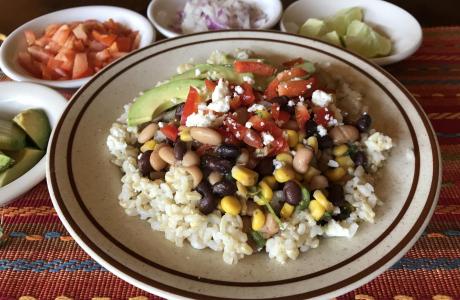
(16, 41)
(400, 26)
(14, 98)
(162, 13)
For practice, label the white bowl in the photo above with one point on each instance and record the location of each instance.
(162, 13)
(16, 41)
(14, 98)
(400, 26)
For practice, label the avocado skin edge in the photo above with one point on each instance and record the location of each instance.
(25, 160)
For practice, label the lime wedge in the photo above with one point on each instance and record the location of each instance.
(313, 28)
(340, 21)
(363, 40)
(332, 38)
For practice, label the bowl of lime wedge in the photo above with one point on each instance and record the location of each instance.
(377, 30)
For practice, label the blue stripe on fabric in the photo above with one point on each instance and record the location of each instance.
(53, 266)
(427, 264)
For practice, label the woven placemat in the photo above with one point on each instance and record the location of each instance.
(40, 260)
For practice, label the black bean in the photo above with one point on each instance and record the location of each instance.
(364, 123)
(310, 127)
(325, 142)
(265, 166)
(179, 110)
(143, 163)
(207, 202)
(196, 145)
(179, 150)
(228, 151)
(216, 164)
(224, 188)
(359, 158)
(292, 193)
(345, 212)
(281, 100)
(336, 194)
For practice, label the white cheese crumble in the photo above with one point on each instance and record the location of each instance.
(333, 164)
(291, 103)
(161, 124)
(248, 125)
(321, 130)
(321, 98)
(256, 107)
(267, 138)
(199, 119)
(333, 228)
(277, 164)
(377, 146)
(248, 79)
(220, 97)
(197, 72)
(239, 90)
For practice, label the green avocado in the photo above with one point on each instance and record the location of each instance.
(204, 71)
(36, 125)
(25, 159)
(155, 101)
(11, 137)
(5, 161)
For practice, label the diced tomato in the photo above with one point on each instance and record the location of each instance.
(294, 88)
(301, 115)
(252, 138)
(267, 125)
(170, 131)
(291, 73)
(277, 146)
(105, 39)
(25, 60)
(54, 63)
(52, 47)
(278, 114)
(102, 55)
(248, 94)
(30, 37)
(118, 54)
(124, 44)
(96, 46)
(247, 135)
(61, 35)
(80, 66)
(191, 104)
(293, 62)
(275, 110)
(235, 103)
(51, 29)
(254, 67)
(322, 115)
(210, 85)
(79, 32)
(42, 42)
(69, 43)
(229, 138)
(67, 57)
(78, 45)
(136, 40)
(272, 89)
(39, 53)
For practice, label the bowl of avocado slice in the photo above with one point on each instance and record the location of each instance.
(28, 113)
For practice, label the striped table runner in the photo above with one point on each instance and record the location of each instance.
(39, 260)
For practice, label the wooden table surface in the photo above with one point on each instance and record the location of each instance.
(13, 13)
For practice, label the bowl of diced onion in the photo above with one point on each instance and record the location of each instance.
(65, 48)
(176, 17)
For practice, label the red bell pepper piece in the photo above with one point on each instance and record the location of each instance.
(301, 115)
(254, 67)
(247, 135)
(191, 104)
(170, 131)
(267, 125)
(294, 88)
(248, 95)
(210, 85)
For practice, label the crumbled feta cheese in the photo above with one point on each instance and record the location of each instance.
(333, 228)
(301, 99)
(248, 125)
(291, 103)
(199, 119)
(321, 98)
(333, 164)
(267, 138)
(378, 142)
(161, 124)
(197, 72)
(321, 130)
(220, 97)
(277, 164)
(243, 54)
(248, 79)
(332, 122)
(256, 107)
(239, 90)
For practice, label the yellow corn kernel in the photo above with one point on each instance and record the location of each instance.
(263, 113)
(340, 150)
(245, 176)
(258, 219)
(231, 205)
(149, 145)
(184, 134)
(313, 143)
(316, 210)
(302, 136)
(271, 181)
(311, 172)
(284, 174)
(345, 161)
(242, 190)
(266, 191)
(285, 158)
(321, 198)
(335, 174)
(286, 210)
(292, 137)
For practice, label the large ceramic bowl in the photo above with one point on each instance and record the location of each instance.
(84, 185)
(16, 41)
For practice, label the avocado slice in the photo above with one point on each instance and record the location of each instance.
(25, 160)
(5, 161)
(213, 72)
(36, 125)
(154, 101)
(11, 137)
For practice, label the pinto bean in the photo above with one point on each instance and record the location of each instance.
(190, 159)
(214, 177)
(206, 135)
(167, 154)
(196, 173)
(318, 182)
(344, 134)
(302, 159)
(156, 161)
(147, 133)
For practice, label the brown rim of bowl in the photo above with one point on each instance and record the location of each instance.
(415, 230)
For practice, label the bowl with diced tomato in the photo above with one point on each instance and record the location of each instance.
(65, 48)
